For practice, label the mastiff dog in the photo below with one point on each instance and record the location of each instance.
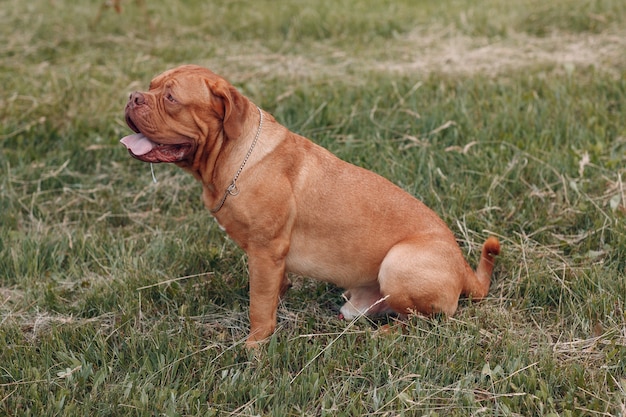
(293, 206)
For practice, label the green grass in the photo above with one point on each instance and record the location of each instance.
(122, 297)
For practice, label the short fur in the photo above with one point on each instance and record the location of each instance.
(301, 209)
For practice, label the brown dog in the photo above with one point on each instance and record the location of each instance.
(294, 207)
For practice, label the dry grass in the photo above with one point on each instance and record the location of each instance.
(121, 297)
(431, 51)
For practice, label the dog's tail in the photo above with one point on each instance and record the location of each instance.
(477, 284)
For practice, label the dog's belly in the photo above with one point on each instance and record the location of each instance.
(331, 264)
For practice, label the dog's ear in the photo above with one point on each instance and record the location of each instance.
(235, 107)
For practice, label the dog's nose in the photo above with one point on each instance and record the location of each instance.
(137, 98)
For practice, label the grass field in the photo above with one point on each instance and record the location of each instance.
(120, 296)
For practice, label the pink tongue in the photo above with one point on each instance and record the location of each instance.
(138, 144)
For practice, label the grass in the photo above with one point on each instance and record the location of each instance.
(122, 297)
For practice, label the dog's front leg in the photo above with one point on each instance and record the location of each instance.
(267, 283)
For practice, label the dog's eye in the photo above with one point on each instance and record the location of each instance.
(169, 97)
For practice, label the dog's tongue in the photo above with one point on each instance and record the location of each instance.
(138, 144)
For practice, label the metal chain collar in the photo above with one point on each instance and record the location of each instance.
(232, 188)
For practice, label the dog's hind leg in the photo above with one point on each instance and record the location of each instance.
(421, 278)
(363, 301)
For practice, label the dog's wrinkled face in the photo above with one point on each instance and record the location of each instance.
(175, 116)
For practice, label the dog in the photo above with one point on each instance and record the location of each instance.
(293, 206)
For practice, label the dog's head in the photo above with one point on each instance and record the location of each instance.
(185, 110)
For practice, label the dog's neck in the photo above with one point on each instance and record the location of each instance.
(232, 187)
